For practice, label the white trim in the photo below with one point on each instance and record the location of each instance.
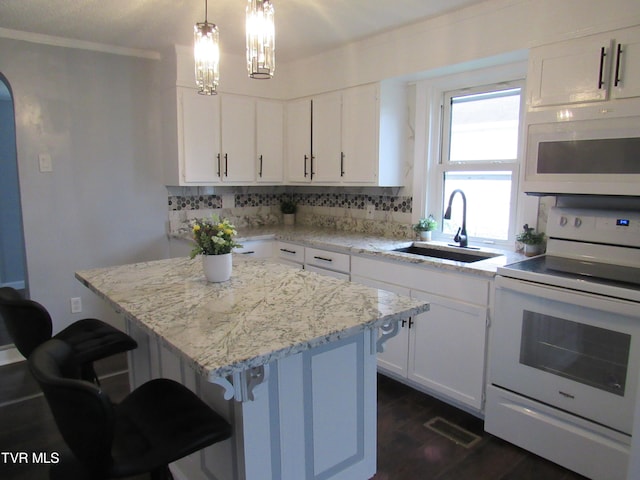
(79, 44)
(10, 355)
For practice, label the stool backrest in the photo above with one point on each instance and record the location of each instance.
(83, 413)
(28, 322)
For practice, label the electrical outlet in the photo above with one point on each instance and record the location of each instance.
(76, 305)
(371, 208)
(45, 163)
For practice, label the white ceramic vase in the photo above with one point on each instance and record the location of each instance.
(217, 268)
(532, 250)
(425, 236)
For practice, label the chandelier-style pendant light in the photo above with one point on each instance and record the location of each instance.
(261, 48)
(206, 52)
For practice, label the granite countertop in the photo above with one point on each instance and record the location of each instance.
(265, 312)
(375, 246)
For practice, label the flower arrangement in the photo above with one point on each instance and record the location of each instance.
(213, 236)
(426, 224)
(288, 207)
(529, 236)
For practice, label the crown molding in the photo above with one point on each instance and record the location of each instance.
(79, 44)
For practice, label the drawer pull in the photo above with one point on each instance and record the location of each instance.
(324, 259)
(292, 252)
(250, 252)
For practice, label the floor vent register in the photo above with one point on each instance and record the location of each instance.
(453, 432)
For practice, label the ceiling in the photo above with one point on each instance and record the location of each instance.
(303, 27)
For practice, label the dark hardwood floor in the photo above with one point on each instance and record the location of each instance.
(407, 450)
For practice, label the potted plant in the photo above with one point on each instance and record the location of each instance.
(531, 240)
(425, 226)
(214, 241)
(288, 208)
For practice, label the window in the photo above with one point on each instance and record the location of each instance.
(479, 155)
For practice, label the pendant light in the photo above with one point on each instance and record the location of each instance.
(261, 53)
(206, 52)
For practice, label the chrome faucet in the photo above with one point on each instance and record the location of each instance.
(461, 235)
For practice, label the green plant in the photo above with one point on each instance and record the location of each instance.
(288, 206)
(426, 224)
(213, 236)
(529, 236)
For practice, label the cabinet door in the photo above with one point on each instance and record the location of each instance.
(394, 357)
(198, 136)
(326, 138)
(238, 151)
(299, 140)
(569, 72)
(269, 141)
(360, 135)
(447, 349)
(626, 68)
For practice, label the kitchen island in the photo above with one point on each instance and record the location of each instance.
(286, 355)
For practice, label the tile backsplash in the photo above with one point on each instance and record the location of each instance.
(380, 214)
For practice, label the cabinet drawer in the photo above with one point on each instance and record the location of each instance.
(325, 259)
(468, 288)
(290, 252)
(257, 249)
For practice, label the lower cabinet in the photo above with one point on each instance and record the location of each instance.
(446, 351)
(442, 351)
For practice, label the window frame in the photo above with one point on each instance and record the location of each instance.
(437, 163)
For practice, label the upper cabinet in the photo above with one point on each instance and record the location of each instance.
(238, 139)
(350, 137)
(269, 141)
(214, 139)
(590, 69)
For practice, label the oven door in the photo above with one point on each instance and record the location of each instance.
(575, 351)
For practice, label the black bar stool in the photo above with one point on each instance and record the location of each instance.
(29, 325)
(156, 424)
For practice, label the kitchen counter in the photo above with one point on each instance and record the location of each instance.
(366, 245)
(265, 312)
(294, 349)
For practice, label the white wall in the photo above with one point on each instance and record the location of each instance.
(491, 28)
(104, 203)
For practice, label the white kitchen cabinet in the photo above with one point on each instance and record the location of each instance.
(442, 351)
(626, 67)
(447, 349)
(298, 135)
(360, 134)
(313, 139)
(192, 138)
(238, 147)
(350, 137)
(326, 138)
(590, 69)
(326, 262)
(256, 249)
(215, 139)
(289, 253)
(269, 141)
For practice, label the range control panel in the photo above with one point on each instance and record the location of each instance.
(612, 227)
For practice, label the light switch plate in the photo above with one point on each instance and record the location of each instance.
(44, 160)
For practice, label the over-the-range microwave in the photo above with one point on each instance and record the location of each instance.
(587, 157)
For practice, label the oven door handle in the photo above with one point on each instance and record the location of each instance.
(568, 296)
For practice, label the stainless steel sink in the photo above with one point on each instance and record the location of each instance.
(458, 255)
